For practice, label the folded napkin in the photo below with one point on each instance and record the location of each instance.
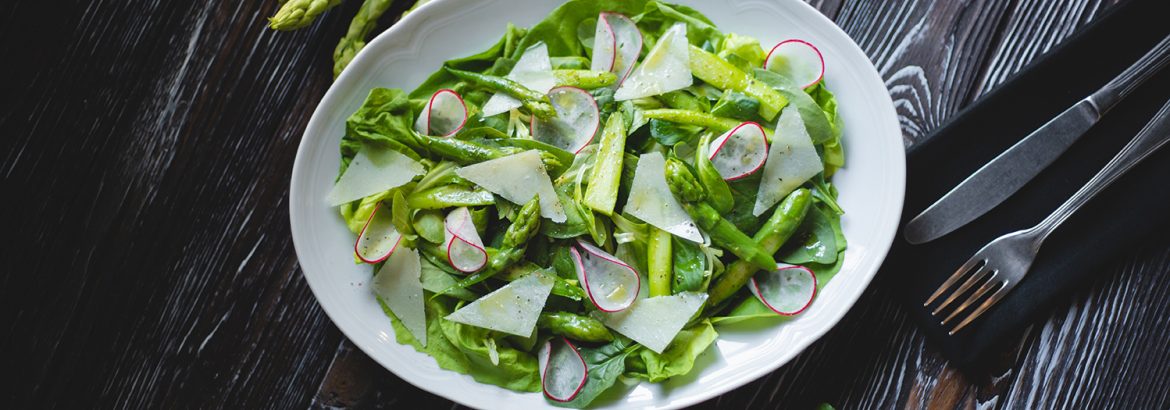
(1134, 207)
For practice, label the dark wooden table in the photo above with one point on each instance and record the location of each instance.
(146, 153)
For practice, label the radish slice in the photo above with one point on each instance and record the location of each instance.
(798, 60)
(787, 291)
(667, 67)
(532, 70)
(444, 115)
(612, 285)
(465, 250)
(616, 45)
(739, 152)
(512, 309)
(373, 171)
(575, 124)
(517, 178)
(654, 322)
(378, 238)
(398, 284)
(792, 159)
(651, 201)
(565, 371)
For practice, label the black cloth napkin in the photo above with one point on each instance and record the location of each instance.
(1133, 208)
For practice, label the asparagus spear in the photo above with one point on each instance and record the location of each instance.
(659, 262)
(295, 14)
(359, 31)
(771, 236)
(723, 233)
(536, 102)
(602, 193)
(525, 225)
(574, 326)
(720, 73)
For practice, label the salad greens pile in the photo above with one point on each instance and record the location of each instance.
(587, 198)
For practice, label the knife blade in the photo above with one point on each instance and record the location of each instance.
(999, 179)
(1007, 173)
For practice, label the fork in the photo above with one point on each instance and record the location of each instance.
(1001, 264)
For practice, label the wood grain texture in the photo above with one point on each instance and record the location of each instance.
(145, 157)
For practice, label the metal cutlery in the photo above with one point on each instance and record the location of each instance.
(1000, 265)
(1004, 175)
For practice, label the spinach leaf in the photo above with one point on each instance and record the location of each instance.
(820, 232)
(689, 266)
(668, 133)
(733, 104)
(605, 364)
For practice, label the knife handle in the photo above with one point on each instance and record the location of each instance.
(1122, 85)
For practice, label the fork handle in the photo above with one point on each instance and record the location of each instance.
(1155, 134)
(1124, 84)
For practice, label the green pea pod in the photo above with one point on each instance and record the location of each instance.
(574, 326)
(718, 192)
(587, 79)
(447, 196)
(428, 224)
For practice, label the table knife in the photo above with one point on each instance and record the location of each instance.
(1005, 174)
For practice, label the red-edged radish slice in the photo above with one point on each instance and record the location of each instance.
(739, 152)
(616, 45)
(444, 115)
(799, 60)
(565, 371)
(787, 291)
(612, 285)
(465, 250)
(378, 238)
(575, 124)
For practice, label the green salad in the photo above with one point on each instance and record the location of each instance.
(588, 198)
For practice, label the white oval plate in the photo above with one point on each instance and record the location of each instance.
(871, 188)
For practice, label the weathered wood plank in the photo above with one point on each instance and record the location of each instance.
(155, 153)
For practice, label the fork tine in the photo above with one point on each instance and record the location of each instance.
(987, 304)
(967, 267)
(987, 287)
(972, 281)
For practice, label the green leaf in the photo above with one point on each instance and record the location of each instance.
(677, 359)
(689, 266)
(668, 133)
(733, 104)
(821, 231)
(385, 119)
(464, 349)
